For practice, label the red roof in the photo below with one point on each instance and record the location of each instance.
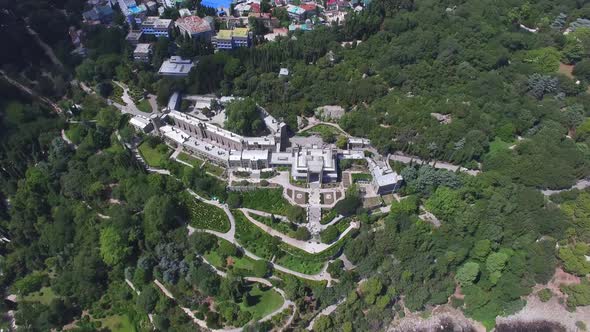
(331, 2)
(193, 24)
(255, 7)
(308, 6)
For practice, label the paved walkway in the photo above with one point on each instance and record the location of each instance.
(130, 107)
(406, 159)
(286, 304)
(326, 312)
(282, 179)
(231, 234)
(65, 138)
(580, 185)
(429, 217)
(46, 48)
(153, 103)
(313, 121)
(32, 93)
(347, 263)
(307, 246)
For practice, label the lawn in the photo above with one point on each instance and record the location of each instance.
(267, 200)
(44, 296)
(154, 157)
(206, 216)
(299, 264)
(278, 225)
(196, 162)
(213, 169)
(118, 323)
(268, 300)
(254, 239)
(322, 130)
(144, 106)
(266, 246)
(304, 262)
(240, 263)
(187, 158)
(361, 177)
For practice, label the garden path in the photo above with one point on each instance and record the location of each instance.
(307, 246)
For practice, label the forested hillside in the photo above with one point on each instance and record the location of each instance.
(82, 218)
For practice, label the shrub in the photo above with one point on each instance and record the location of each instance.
(303, 234)
(30, 283)
(336, 268)
(330, 234)
(545, 295)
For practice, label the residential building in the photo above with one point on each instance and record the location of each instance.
(169, 3)
(134, 37)
(358, 143)
(75, 36)
(269, 21)
(241, 37)
(153, 25)
(302, 27)
(310, 9)
(228, 140)
(174, 101)
(296, 12)
(176, 67)
(242, 9)
(98, 15)
(385, 180)
(133, 13)
(141, 123)
(230, 39)
(195, 27)
(337, 5)
(152, 6)
(184, 12)
(142, 52)
(283, 72)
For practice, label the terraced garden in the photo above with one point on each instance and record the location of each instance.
(187, 158)
(267, 200)
(206, 216)
(286, 228)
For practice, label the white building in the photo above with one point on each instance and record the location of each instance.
(142, 52)
(176, 66)
(141, 123)
(385, 180)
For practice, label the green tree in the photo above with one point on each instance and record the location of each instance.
(496, 262)
(467, 274)
(114, 248)
(147, 299)
(243, 117)
(574, 258)
(444, 203)
(159, 216)
(370, 289)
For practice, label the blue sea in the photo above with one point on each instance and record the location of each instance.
(217, 3)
